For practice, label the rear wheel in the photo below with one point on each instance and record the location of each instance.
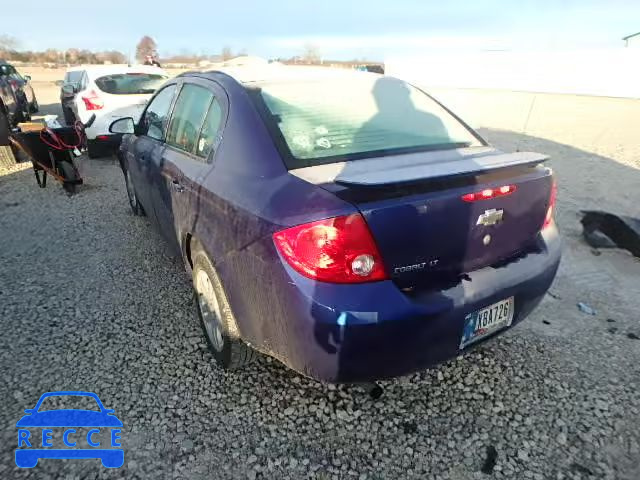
(34, 107)
(216, 318)
(69, 117)
(135, 205)
(22, 112)
(4, 127)
(97, 149)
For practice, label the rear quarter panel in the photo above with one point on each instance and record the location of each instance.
(247, 195)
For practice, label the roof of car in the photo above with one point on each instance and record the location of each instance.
(248, 75)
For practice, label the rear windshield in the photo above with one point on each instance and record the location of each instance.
(130, 83)
(73, 77)
(326, 121)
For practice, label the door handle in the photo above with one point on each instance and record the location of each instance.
(177, 187)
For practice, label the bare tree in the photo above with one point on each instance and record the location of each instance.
(111, 56)
(311, 53)
(146, 46)
(7, 43)
(226, 53)
(50, 55)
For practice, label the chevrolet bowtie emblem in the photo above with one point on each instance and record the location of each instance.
(490, 217)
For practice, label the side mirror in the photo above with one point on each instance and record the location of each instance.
(59, 83)
(27, 78)
(122, 125)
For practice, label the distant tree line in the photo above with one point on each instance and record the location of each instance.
(71, 55)
(9, 50)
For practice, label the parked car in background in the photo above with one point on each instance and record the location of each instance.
(25, 82)
(68, 90)
(110, 92)
(343, 222)
(13, 99)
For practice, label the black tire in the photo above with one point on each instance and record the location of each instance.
(69, 117)
(232, 353)
(34, 107)
(22, 112)
(70, 173)
(99, 150)
(93, 151)
(5, 128)
(136, 206)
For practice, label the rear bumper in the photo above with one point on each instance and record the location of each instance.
(355, 333)
(104, 144)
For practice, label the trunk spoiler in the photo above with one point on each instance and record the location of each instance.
(416, 166)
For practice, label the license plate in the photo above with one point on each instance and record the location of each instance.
(486, 321)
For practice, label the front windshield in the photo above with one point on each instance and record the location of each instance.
(368, 116)
(130, 83)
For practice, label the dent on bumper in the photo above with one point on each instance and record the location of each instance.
(352, 333)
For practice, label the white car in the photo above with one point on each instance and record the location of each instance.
(110, 92)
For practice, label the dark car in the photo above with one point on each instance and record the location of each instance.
(343, 222)
(13, 99)
(24, 81)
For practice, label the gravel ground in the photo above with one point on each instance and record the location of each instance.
(90, 299)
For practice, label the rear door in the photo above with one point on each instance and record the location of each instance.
(192, 137)
(71, 78)
(148, 146)
(77, 103)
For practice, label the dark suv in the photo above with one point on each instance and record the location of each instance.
(14, 102)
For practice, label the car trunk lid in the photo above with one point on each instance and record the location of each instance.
(427, 233)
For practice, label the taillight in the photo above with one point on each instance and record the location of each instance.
(92, 101)
(336, 250)
(548, 219)
(488, 193)
(14, 84)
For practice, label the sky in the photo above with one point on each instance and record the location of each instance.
(341, 29)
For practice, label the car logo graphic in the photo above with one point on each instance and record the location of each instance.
(36, 436)
(490, 217)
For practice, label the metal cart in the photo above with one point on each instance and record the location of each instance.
(52, 151)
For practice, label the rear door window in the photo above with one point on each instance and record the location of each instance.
(73, 77)
(209, 133)
(129, 83)
(84, 81)
(188, 116)
(156, 116)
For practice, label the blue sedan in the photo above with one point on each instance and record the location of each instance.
(344, 223)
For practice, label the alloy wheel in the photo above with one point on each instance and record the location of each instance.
(209, 309)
